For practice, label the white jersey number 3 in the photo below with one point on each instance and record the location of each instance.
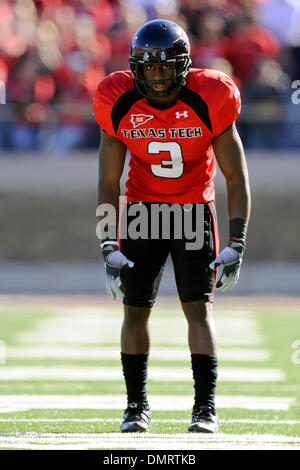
(172, 168)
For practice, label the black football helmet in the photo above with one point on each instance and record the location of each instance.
(160, 42)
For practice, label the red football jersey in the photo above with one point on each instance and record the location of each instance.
(172, 159)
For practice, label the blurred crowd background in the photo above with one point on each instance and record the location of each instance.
(53, 53)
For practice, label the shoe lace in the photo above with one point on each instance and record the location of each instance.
(203, 411)
(135, 409)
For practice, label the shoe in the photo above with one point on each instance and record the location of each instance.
(204, 419)
(137, 417)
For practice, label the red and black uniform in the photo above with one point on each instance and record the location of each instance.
(172, 160)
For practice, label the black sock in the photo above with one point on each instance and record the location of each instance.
(205, 377)
(135, 368)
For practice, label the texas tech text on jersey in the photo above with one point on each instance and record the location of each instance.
(174, 133)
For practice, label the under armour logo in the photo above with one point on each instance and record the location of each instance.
(180, 115)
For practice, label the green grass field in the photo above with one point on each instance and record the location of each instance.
(61, 384)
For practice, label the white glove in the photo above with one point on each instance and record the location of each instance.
(114, 262)
(231, 259)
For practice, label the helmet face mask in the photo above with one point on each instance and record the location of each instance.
(160, 42)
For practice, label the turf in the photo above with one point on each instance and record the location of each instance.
(277, 324)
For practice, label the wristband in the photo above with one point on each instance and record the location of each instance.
(238, 230)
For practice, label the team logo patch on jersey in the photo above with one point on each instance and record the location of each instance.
(138, 119)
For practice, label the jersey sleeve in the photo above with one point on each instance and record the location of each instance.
(227, 104)
(103, 106)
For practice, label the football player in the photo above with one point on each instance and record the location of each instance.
(175, 122)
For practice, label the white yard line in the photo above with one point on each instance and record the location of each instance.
(164, 374)
(113, 353)
(153, 420)
(159, 339)
(148, 441)
(170, 446)
(94, 326)
(11, 403)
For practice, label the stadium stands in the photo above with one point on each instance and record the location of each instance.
(53, 54)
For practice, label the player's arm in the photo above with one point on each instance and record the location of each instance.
(112, 154)
(230, 155)
(111, 163)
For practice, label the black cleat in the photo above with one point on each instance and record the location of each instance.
(204, 419)
(137, 417)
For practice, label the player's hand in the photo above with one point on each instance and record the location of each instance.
(114, 261)
(230, 259)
